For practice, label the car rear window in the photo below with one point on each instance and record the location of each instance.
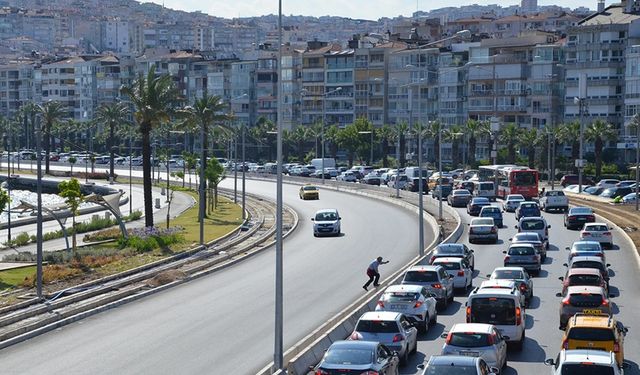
(532, 225)
(345, 356)
(585, 368)
(421, 276)
(377, 326)
(450, 370)
(469, 340)
(450, 250)
(522, 251)
(587, 246)
(584, 280)
(555, 194)
(580, 211)
(521, 237)
(596, 228)
(449, 265)
(401, 297)
(486, 186)
(587, 264)
(591, 334)
(507, 274)
(310, 188)
(493, 310)
(585, 300)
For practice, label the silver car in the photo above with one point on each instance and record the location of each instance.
(326, 222)
(434, 278)
(477, 340)
(414, 301)
(459, 269)
(512, 202)
(391, 329)
(523, 255)
(457, 364)
(483, 229)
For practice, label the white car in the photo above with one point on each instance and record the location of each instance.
(477, 340)
(582, 361)
(483, 229)
(536, 225)
(402, 181)
(347, 176)
(392, 329)
(512, 202)
(607, 183)
(326, 222)
(629, 198)
(501, 308)
(599, 232)
(503, 284)
(414, 301)
(459, 269)
(554, 200)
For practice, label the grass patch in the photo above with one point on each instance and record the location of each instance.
(15, 277)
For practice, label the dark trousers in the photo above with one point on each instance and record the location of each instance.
(373, 277)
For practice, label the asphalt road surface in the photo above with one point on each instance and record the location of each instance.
(223, 323)
(543, 338)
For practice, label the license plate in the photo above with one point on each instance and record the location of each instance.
(469, 354)
(398, 307)
(592, 311)
(582, 219)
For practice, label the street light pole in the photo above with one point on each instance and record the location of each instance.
(440, 173)
(637, 164)
(235, 169)
(201, 187)
(420, 198)
(130, 170)
(8, 147)
(279, 300)
(38, 132)
(398, 167)
(244, 213)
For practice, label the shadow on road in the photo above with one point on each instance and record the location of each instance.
(632, 368)
(452, 309)
(531, 352)
(528, 321)
(433, 333)
(534, 303)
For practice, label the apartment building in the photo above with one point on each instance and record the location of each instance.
(339, 96)
(313, 83)
(16, 87)
(243, 92)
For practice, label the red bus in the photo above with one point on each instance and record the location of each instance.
(512, 179)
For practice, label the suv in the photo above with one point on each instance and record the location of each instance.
(434, 278)
(494, 212)
(476, 340)
(536, 225)
(457, 364)
(584, 362)
(418, 305)
(599, 332)
(592, 300)
(554, 200)
(392, 329)
(499, 307)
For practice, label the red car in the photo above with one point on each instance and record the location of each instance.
(572, 179)
(54, 157)
(582, 276)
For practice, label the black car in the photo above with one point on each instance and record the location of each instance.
(357, 357)
(527, 209)
(476, 204)
(615, 192)
(469, 185)
(453, 250)
(446, 190)
(577, 216)
(412, 185)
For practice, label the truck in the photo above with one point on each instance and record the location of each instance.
(553, 200)
(328, 163)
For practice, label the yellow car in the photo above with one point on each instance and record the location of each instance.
(597, 332)
(309, 192)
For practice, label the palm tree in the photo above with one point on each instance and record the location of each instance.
(152, 97)
(570, 134)
(315, 132)
(432, 131)
(510, 135)
(27, 114)
(386, 135)
(299, 137)
(598, 133)
(474, 129)
(51, 113)
(529, 139)
(402, 129)
(112, 115)
(454, 134)
(331, 136)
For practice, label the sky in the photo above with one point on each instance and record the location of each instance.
(362, 9)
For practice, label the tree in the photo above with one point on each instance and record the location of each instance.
(454, 134)
(315, 132)
(570, 134)
(402, 129)
(598, 133)
(299, 137)
(432, 131)
(190, 162)
(474, 129)
(386, 135)
(331, 136)
(51, 113)
(5, 200)
(529, 139)
(510, 135)
(214, 174)
(152, 98)
(27, 115)
(261, 135)
(112, 115)
(70, 190)
(72, 161)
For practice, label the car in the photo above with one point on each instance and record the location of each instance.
(459, 270)
(357, 357)
(517, 274)
(625, 183)
(499, 307)
(526, 209)
(476, 340)
(392, 329)
(630, 198)
(523, 255)
(476, 204)
(492, 212)
(457, 364)
(414, 185)
(326, 222)
(441, 190)
(347, 176)
(467, 185)
(401, 181)
(512, 201)
(451, 250)
(483, 229)
(581, 277)
(592, 300)
(536, 225)
(593, 190)
(484, 189)
(456, 173)
(554, 200)
(503, 284)
(596, 332)
(459, 198)
(533, 239)
(437, 179)
(584, 362)
(616, 192)
(599, 232)
(590, 262)
(576, 217)
(586, 248)
(372, 179)
(434, 278)
(572, 179)
(309, 192)
(607, 182)
(414, 301)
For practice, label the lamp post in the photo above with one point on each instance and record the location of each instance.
(7, 145)
(38, 131)
(324, 114)
(440, 173)
(279, 308)
(420, 197)
(369, 132)
(637, 163)
(244, 214)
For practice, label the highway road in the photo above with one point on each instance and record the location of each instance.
(543, 338)
(223, 323)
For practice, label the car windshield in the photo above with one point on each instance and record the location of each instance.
(344, 356)
(521, 251)
(524, 178)
(377, 326)
(555, 193)
(591, 334)
(585, 368)
(310, 188)
(480, 201)
(596, 228)
(488, 221)
(585, 300)
(493, 310)
(450, 250)
(532, 225)
(449, 265)
(326, 216)
(469, 340)
(400, 297)
(580, 211)
(421, 276)
(584, 280)
(507, 274)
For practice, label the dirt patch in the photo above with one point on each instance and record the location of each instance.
(166, 277)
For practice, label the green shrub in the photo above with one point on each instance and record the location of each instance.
(135, 215)
(19, 240)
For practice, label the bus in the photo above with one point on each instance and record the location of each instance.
(512, 179)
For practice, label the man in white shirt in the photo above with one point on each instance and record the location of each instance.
(372, 272)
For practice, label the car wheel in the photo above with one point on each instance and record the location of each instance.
(434, 319)
(425, 324)
(315, 234)
(405, 357)
(520, 343)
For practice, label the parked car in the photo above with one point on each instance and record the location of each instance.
(347, 177)
(483, 229)
(459, 198)
(501, 308)
(526, 209)
(584, 361)
(326, 222)
(392, 329)
(372, 179)
(607, 182)
(523, 255)
(615, 192)
(512, 201)
(630, 198)
(441, 190)
(554, 200)
(459, 270)
(434, 278)
(592, 300)
(593, 190)
(582, 277)
(517, 274)
(599, 232)
(625, 183)
(476, 204)
(457, 364)
(401, 181)
(493, 212)
(576, 217)
(358, 357)
(413, 184)
(536, 225)
(416, 303)
(450, 250)
(532, 239)
(572, 179)
(476, 340)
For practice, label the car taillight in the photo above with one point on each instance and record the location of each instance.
(381, 304)
(600, 255)
(523, 287)
(418, 304)
(491, 340)
(591, 217)
(585, 234)
(571, 218)
(494, 230)
(518, 316)
(398, 338)
(605, 302)
(355, 336)
(616, 348)
(565, 301)
(506, 258)
(565, 344)
(460, 273)
(433, 258)
(437, 285)
(448, 341)
(535, 258)
(468, 314)
(606, 233)
(321, 372)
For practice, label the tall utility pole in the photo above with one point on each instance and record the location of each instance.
(7, 144)
(324, 114)
(278, 355)
(38, 132)
(581, 101)
(244, 195)
(637, 163)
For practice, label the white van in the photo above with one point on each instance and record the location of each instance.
(484, 189)
(500, 307)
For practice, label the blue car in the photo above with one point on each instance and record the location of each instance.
(493, 212)
(527, 209)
